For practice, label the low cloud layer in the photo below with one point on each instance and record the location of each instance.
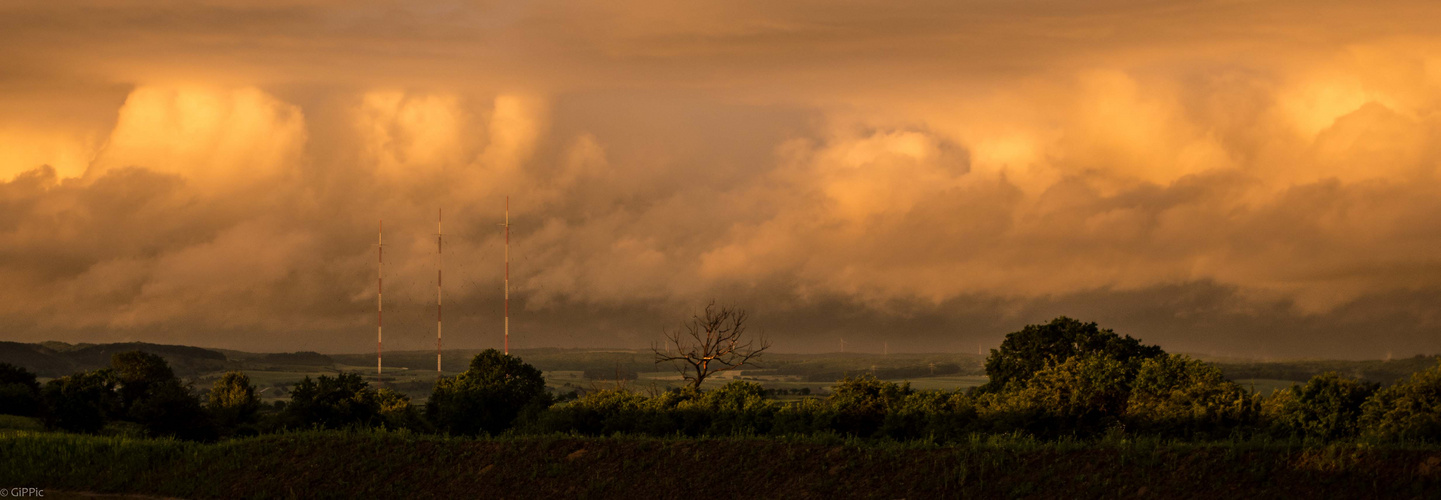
(1238, 178)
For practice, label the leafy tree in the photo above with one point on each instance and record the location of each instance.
(861, 403)
(1175, 395)
(168, 408)
(232, 402)
(396, 411)
(738, 407)
(1083, 395)
(151, 396)
(601, 412)
(1408, 410)
(937, 415)
(81, 402)
(345, 400)
(1327, 407)
(488, 397)
(19, 393)
(1030, 350)
(137, 371)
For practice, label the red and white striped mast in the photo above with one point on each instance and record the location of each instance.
(439, 269)
(507, 275)
(379, 298)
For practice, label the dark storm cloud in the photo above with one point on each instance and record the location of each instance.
(1228, 176)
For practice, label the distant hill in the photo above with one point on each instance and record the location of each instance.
(303, 358)
(37, 358)
(57, 359)
(1383, 372)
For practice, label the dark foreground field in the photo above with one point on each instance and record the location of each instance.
(377, 464)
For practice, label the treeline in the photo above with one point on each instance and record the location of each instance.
(1061, 379)
(1383, 372)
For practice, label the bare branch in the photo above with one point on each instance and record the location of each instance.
(712, 341)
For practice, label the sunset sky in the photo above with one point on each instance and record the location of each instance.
(1249, 178)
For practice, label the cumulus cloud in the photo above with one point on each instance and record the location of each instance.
(1218, 176)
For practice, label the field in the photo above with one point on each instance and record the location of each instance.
(369, 464)
(567, 370)
(581, 370)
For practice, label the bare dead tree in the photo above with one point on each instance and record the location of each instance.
(709, 343)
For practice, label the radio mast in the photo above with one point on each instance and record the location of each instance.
(439, 269)
(379, 298)
(507, 274)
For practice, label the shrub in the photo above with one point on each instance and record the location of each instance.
(1081, 395)
(1177, 396)
(396, 412)
(136, 371)
(1409, 410)
(1035, 347)
(933, 415)
(1327, 407)
(151, 396)
(81, 402)
(19, 393)
(345, 400)
(862, 403)
(603, 412)
(735, 408)
(489, 397)
(232, 402)
(168, 408)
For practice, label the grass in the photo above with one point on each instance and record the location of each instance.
(393, 464)
(15, 422)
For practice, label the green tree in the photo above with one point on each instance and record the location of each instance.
(1082, 395)
(1408, 410)
(489, 397)
(1175, 395)
(169, 408)
(82, 402)
(137, 371)
(19, 392)
(1327, 407)
(345, 400)
(1030, 350)
(862, 403)
(232, 402)
(151, 396)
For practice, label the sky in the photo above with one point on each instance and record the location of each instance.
(1220, 177)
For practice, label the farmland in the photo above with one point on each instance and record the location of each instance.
(387, 464)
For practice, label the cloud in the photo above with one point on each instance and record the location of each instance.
(1209, 175)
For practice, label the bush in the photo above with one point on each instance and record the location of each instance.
(81, 402)
(1035, 347)
(137, 371)
(862, 403)
(489, 397)
(19, 393)
(343, 401)
(931, 415)
(232, 403)
(1327, 407)
(737, 408)
(169, 409)
(151, 396)
(1408, 410)
(1082, 395)
(604, 412)
(1177, 396)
